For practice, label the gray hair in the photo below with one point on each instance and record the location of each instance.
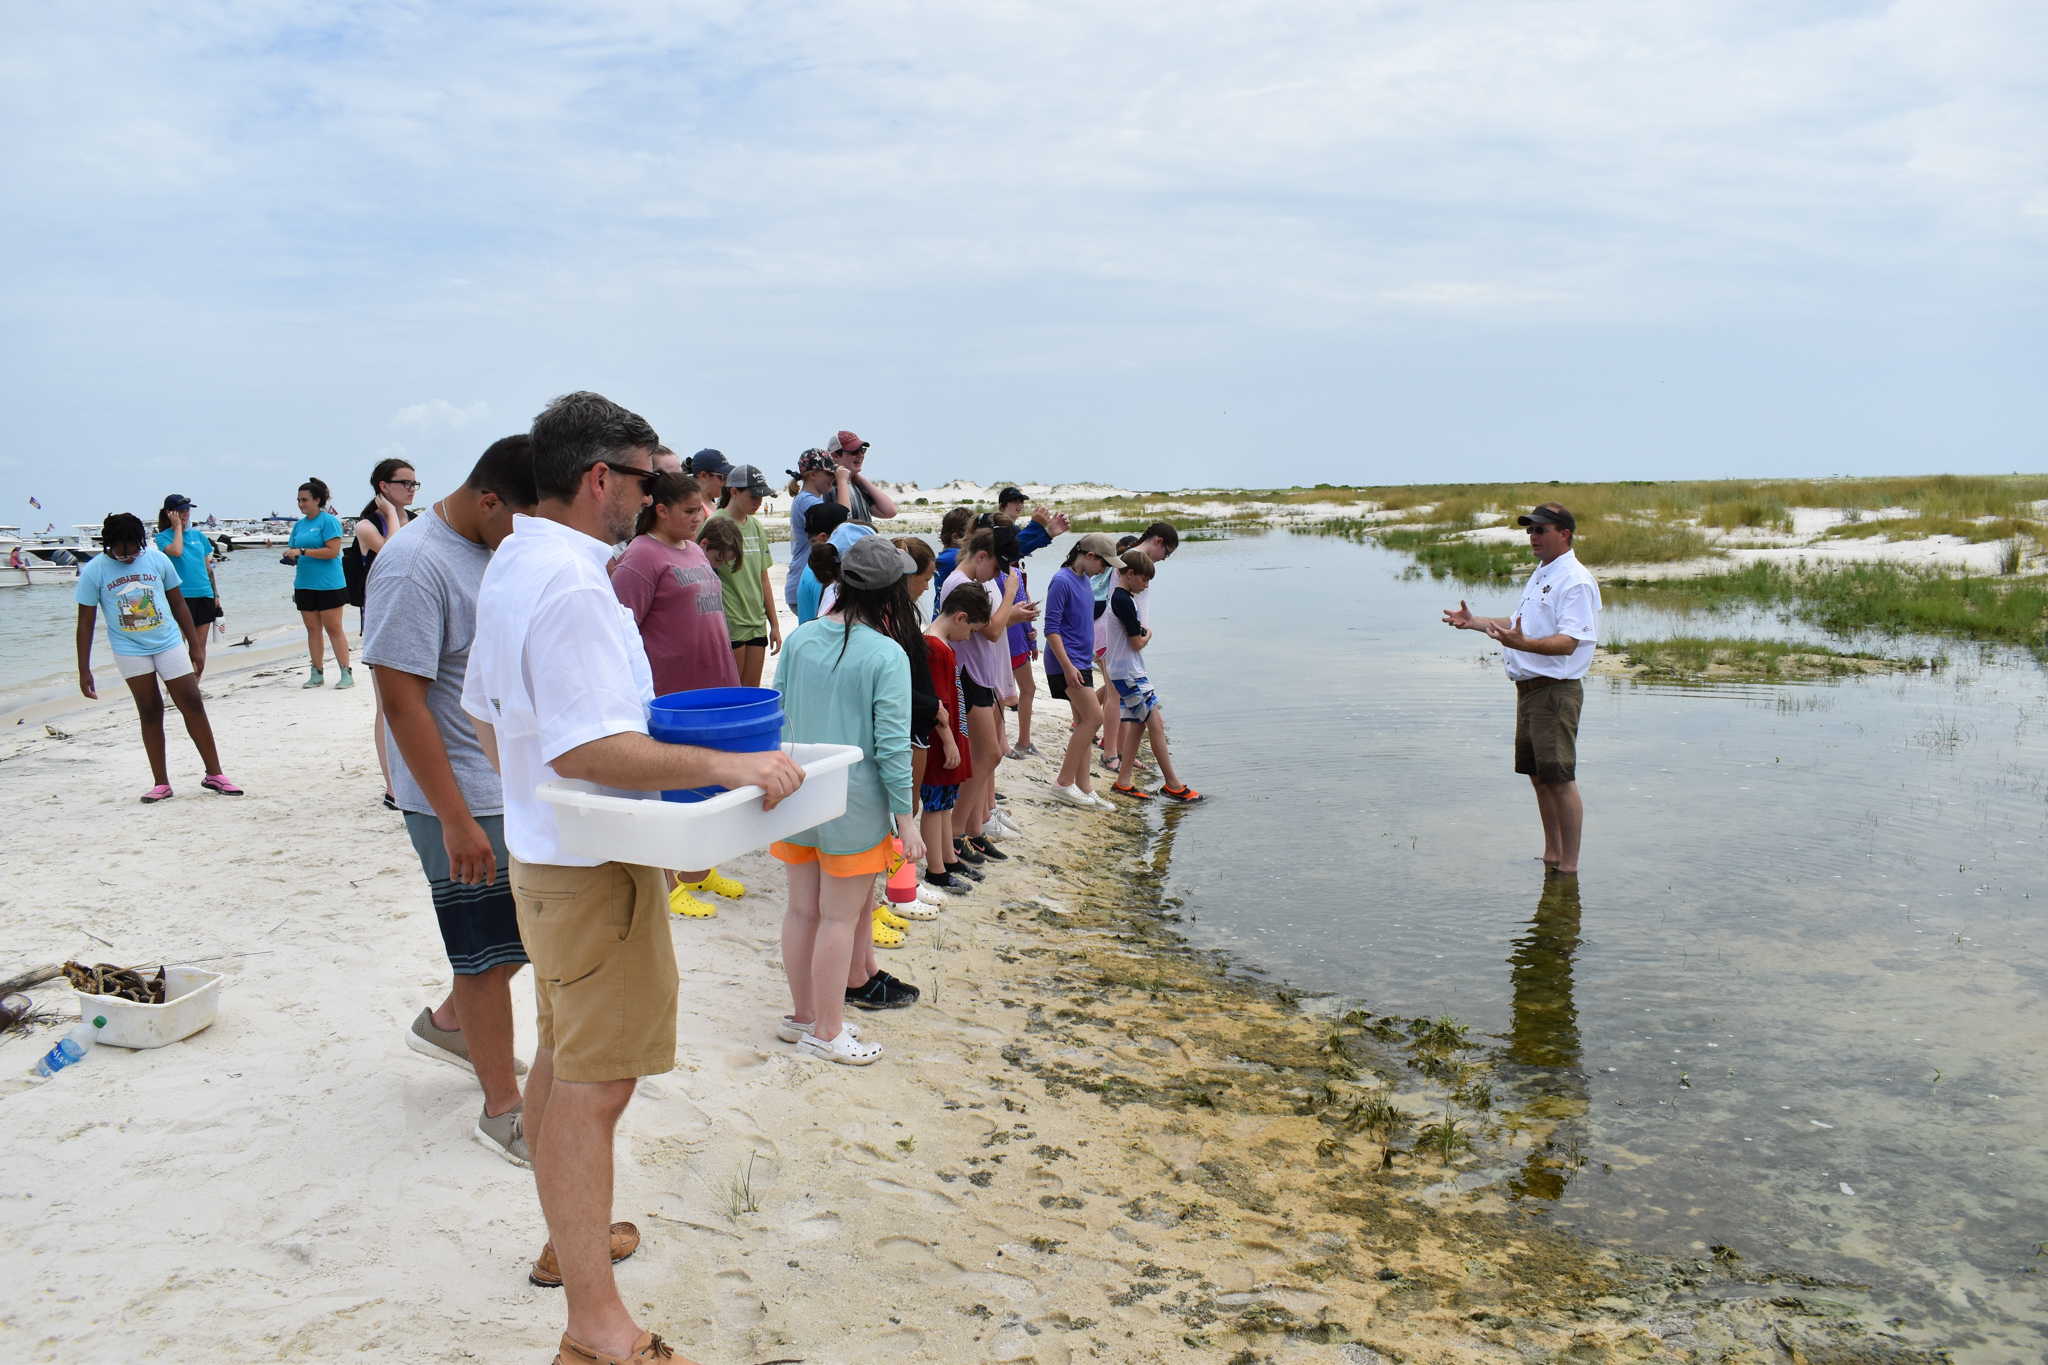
(579, 430)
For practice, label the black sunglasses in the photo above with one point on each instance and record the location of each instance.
(646, 476)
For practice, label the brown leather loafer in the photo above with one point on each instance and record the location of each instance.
(650, 1347)
(547, 1271)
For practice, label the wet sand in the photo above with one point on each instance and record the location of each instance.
(1087, 1142)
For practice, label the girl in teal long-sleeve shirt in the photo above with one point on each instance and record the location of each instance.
(845, 679)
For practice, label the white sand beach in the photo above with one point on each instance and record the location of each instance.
(1063, 1156)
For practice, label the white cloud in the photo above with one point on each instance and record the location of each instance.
(1463, 295)
(759, 223)
(439, 415)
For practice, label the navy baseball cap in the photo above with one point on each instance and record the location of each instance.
(709, 461)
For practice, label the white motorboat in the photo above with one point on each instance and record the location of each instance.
(32, 572)
(240, 533)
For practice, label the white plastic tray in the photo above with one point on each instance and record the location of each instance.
(696, 834)
(190, 998)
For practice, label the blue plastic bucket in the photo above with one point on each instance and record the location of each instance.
(738, 720)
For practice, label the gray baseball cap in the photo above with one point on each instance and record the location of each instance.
(874, 562)
(748, 477)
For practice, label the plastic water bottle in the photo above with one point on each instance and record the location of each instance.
(71, 1047)
(902, 884)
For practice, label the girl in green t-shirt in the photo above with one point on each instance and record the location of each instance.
(749, 616)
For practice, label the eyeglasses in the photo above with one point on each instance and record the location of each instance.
(404, 483)
(646, 476)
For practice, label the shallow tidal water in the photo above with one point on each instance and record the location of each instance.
(1794, 1003)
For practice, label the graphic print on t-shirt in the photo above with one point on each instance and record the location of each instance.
(708, 604)
(136, 598)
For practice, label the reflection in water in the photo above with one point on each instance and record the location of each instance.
(1544, 1030)
(1545, 1027)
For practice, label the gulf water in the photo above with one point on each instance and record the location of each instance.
(1796, 993)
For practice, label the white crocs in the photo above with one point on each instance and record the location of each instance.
(917, 909)
(845, 1049)
(790, 1031)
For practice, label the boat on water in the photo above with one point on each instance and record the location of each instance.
(240, 533)
(40, 559)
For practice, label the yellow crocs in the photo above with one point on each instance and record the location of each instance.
(719, 885)
(681, 902)
(885, 937)
(885, 915)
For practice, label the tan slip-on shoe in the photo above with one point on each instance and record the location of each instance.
(547, 1271)
(445, 1045)
(649, 1347)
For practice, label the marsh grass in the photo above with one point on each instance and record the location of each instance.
(1699, 656)
(1644, 522)
(1849, 598)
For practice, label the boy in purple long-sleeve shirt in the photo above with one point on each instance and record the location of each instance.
(1070, 658)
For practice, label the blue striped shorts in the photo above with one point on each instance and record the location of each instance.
(479, 924)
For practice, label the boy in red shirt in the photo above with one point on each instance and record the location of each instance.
(950, 763)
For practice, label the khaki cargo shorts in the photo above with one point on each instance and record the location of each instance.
(1546, 732)
(604, 967)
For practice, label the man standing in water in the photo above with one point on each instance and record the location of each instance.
(558, 685)
(1548, 647)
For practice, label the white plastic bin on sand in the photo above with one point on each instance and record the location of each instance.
(190, 998)
(694, 834)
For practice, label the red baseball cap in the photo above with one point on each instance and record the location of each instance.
(847, 441)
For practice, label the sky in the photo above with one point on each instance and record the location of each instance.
(1158, 245)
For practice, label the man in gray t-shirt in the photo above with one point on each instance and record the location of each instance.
(421, 610)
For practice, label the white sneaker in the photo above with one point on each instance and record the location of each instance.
(1010, 830)
(846, 1049)
(1101, 802)
(917, 909)
(1074, 796)
(996, 829)
(789, 1030)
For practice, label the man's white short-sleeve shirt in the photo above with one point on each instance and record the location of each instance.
(1561, 598)
(557, 663)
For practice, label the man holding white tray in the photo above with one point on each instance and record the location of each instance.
(558, 684)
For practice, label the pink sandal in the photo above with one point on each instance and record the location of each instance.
(218, 782)
(160, 792)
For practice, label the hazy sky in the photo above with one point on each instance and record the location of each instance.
(1159, 244)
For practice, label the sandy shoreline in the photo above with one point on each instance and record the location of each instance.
(1066, 1154)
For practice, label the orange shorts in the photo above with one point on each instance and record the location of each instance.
(865, 864)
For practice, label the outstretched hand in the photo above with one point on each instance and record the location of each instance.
(1461, 618)
(1509, 634)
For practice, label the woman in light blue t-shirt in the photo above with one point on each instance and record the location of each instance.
(320, 586)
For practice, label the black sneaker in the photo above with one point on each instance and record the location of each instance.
(883, 992)
(987, 850)
(945, 881)
(967, 870)
(967, 853)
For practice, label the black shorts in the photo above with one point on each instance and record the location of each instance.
(1056, 680)
(976, 694)
(319, 599)
(205, 610)
(479, 924)
(760, 640)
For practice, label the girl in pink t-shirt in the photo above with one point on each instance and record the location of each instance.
(675, 595)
